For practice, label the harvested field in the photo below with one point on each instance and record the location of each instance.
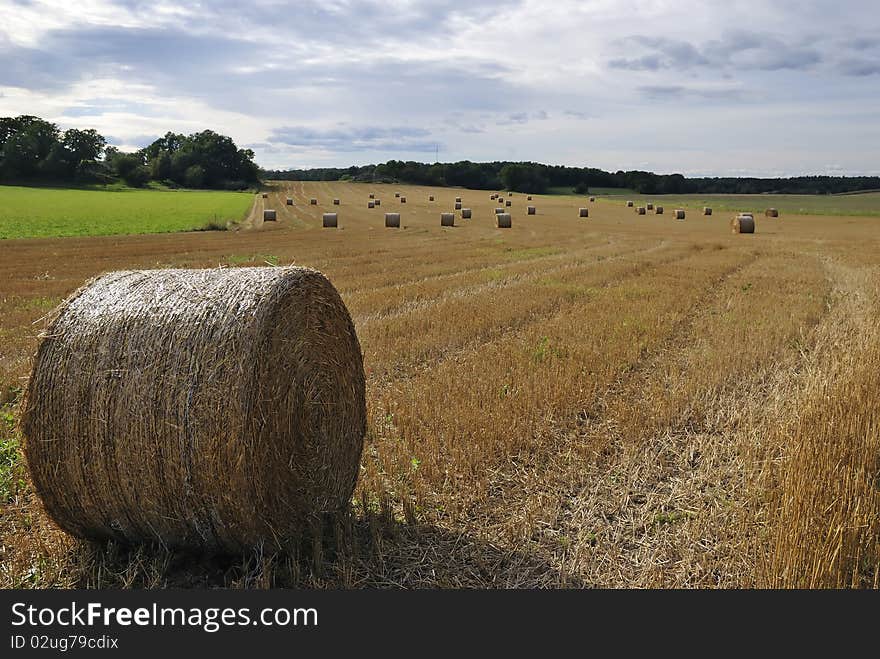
(630, 401)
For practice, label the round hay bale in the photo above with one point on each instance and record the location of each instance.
(392, 220)
(269, 215)
(212, 410)
(329, 220)
(679, 213)
(659, 210)
(265, 196)
(707, 210)
(447, 219)
(529, 198)
(530, 210)
(431, 198)
(771, 212)
(592, 199)
(503, 220)
(629, 204)
(493, 197)
(372, 196)
(458, 200)
(335, 202)
(396, 195)
(509, 194)
(583, 212)
(498, 211)
(290, 201)
(458, 205)
(649, 206)
(378, 202)
(465, 213)
(403, 200)
(507, 203)
(371, 204)
(641, 210)
(743, 224)
(313, 201)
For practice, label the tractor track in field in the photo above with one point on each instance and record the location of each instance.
(394, 373)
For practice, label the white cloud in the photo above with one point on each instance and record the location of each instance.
(613, 84)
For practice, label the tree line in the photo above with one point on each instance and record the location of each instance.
(36, 150)
(537, 178)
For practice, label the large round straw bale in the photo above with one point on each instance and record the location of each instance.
(503, 220)
(529, 198)
(371, 204)
(329, 220)
(372, 196)
(649, 206)
(641, 210)
(265, 195)
(592, 199)
(458, 200)
(465, 213)
(313, 201)
(658, 210)
(743, 224)
(679, 213)
(392, 220)
(498, 211)
(290, 201)
(583, 212)
(403, 200)
(396, 195)
(707, 210)
(509, 194)
(629, 204)
(493, 197)
(215, 410)
(431, 198)
(530, 210)
(507, 203)
(447, 219)
(269, 215)
(378, 202)
(458, 205)
(335, 202)
(771, 212)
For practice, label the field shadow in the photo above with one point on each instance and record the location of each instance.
(369, 552)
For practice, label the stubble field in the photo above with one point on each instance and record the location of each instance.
(619, 400)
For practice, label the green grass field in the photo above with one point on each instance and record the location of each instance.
(44, 212)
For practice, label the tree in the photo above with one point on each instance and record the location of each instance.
(160, 166)
(194, 176)
(83, 144)
(26, 142)
(523, 177)
(130, 168)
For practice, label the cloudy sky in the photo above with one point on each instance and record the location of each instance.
(736, 87)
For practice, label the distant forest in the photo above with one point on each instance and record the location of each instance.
(538, 178)
(33, 150)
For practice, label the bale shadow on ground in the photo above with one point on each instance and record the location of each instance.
(367, 552)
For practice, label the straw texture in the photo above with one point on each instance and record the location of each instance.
(208, 409)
